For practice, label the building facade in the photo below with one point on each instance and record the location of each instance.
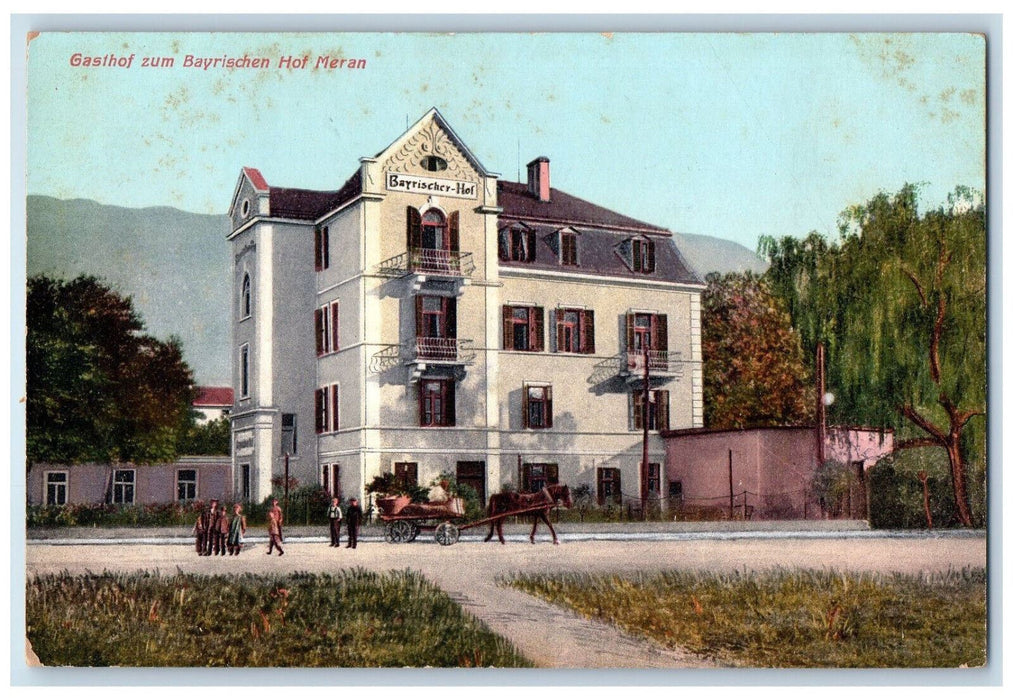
(427, 317)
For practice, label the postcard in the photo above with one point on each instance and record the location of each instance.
(589, 350)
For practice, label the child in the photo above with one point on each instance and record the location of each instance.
(237, 530)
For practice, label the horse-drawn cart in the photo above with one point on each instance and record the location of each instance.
(405, 519)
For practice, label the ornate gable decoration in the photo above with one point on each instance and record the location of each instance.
(432, 145)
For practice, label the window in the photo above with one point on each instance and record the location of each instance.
(537, 406)
(406, 474)
(327, 408)
(535, 477)
(433, 163)
(322, 248)
(657, 414)
(330, 479)
(638, 254)
(647, 333)
(575, 331)
(244, 482)
(325, 322)
(246, 301)
(652, 480)
(522, 328)
(436, 402)
(56, 488)
(244, 371)
(433, 240)
(517, 244)
(123, 486)
(610, 489)
(567, 248)
(186, 484)
(289, 437)
(436, 327)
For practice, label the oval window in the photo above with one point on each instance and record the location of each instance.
(246, 207)
(434, 163)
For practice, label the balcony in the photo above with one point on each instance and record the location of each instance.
(423, 353)
(425, 263)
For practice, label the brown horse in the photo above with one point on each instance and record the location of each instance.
(537, 505)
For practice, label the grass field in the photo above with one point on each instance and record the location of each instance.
(354, 618)
(790, 618)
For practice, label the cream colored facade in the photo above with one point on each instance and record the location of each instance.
(406, 261)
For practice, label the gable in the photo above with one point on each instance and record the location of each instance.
(430, 149)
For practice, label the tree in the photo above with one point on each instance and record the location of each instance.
(754, 371)
(210, 438)
(99, 389)
(899, 300)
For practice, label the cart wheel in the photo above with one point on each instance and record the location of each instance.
(400, 531)
(414, 533)
(388, 533)
(447, 534)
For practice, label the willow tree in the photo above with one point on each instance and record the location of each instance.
(899, 301)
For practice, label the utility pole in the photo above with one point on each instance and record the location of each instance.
(286, 485)
(646, 416)
(821, 409)
(731, 489)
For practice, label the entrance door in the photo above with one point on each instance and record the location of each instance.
(473, 474)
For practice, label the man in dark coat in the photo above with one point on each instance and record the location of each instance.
(206, 529)
(353, 517)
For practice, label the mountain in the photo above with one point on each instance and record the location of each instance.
(709, 254)
(176, 266)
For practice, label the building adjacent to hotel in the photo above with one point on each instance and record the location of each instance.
(429, 317)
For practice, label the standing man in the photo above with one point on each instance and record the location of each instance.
(334, 517)
(274, 520)
(210, 521)
(354, 518)
(222, 543)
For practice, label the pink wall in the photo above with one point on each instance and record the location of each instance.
(153, 483)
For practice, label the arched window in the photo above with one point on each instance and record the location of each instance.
(246, 303)
(434, 231)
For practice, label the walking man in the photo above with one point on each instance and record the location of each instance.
(334, 517)
(274, 519)
(354, 518)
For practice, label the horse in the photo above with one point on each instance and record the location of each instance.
(547, 498)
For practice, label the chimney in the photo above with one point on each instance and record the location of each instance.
(538, 178)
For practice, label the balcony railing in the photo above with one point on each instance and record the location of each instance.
(429, 261)
(656, 361)
(441, 350)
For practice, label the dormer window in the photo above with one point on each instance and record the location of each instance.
(638, 254)
(567, 248)
(517, 244)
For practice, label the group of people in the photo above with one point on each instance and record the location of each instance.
(218, 535)
(354, 519)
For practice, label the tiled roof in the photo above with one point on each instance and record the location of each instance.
(563, 208)
(256, 178)
(292, 203)
(598, 254)
(214, 396)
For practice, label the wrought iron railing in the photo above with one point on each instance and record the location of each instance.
(450, 350)
(656, 360)
(429, 261)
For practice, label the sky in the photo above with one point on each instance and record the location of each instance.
(729, 135)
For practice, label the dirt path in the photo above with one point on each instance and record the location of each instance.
(549, 636)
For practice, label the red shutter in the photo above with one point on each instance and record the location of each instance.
(450, 309)
(414, 228)
(453, 229)
(630, 332)
(548, 407)
(318, 410)
(660, 333)
(556, 320)
(524, 406)
(508, 327)
(449, 404)
(325, 244)
(650, 256)
(334, 406)
(335, 336)
(536, 318)
(637, 260)
(317, 249)
(531, 245)
(318, 324)
(419, 319)
(587, 332)
(638, 410)
(504, 244)
(661, 401)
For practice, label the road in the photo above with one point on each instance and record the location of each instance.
(547, 635)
